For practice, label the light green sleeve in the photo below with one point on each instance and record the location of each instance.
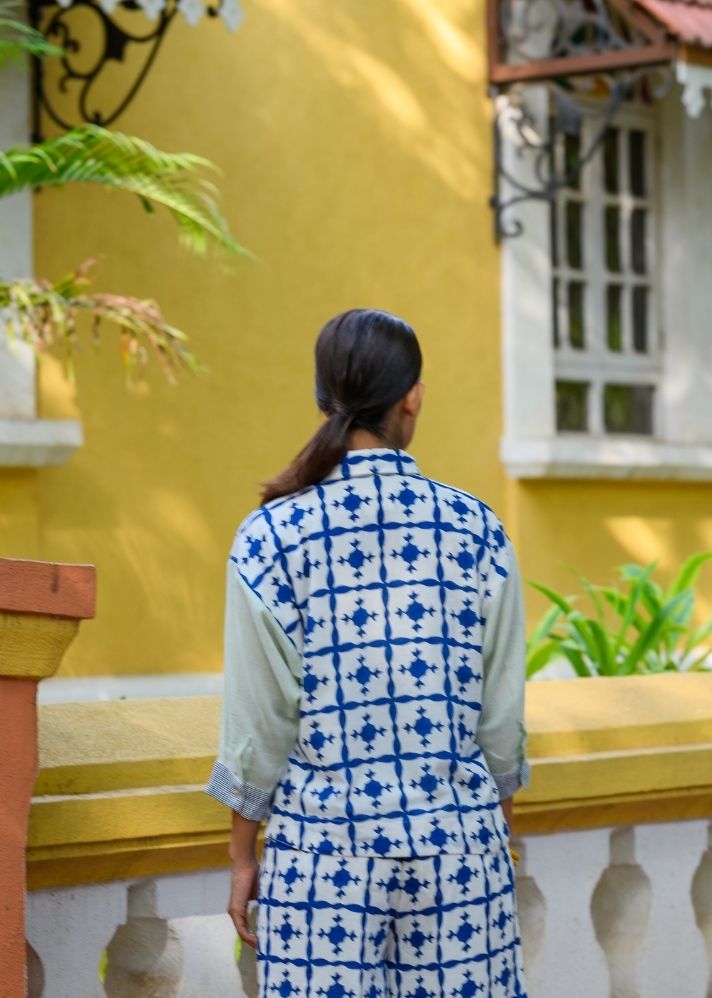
(501, 733)
(260, 711)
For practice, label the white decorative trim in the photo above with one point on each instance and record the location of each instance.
(192, 10)
(84, 688)
(34, 443)
(590, 457)
(694, 81)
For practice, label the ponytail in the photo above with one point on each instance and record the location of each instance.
(366, 361)
(315, 460)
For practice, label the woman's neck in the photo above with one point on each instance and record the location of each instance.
(365, 440)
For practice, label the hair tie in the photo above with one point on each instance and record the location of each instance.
(339, 409)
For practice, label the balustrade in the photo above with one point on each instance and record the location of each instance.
(619, 912)
(614, 884)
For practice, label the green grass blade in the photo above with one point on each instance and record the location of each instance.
(652, 634)
(577, 661)
(545, 625)
(687, 576)
(565, 604)
(548, 652)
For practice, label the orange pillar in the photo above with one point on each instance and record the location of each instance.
(41, 605)
(18, 766)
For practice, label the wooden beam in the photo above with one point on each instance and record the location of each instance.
(547, 69)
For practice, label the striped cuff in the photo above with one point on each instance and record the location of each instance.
(509, 783)
(250, 802)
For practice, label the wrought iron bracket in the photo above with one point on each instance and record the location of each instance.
(608, 43)
(65, 89)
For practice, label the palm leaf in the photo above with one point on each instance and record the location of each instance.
(45, 316)
(18, 39)
(93, 155)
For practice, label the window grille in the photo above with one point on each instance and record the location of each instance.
(603, 241)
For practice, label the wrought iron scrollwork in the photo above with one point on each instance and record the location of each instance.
(67, 92)
(578, 28)
(573, 48)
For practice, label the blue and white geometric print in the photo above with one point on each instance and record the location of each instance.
(382, 579)
(433, 927)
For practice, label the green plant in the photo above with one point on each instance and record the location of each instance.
(44, 313)
(635, 628)
(93, 155)
(18, 39)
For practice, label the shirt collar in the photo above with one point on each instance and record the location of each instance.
(373, 461)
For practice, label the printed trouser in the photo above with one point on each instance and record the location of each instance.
(359, 927)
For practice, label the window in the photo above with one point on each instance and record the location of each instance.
(603, 259)
(606, 297)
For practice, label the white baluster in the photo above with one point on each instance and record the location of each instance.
(145, 954)
(566, 867)
(675, 963)
(35, 974)
(69, 928)
(209, 966)
(620, 909)
(532, 911)
(248, 960)
(702, 904)
(195, 905)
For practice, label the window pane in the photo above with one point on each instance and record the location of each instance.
(614, 294)
(636, 162)
(637, 240)
(572, 156)
(640, 320)
(554, 223)
(577, 335)
(611, 160)
(572, 406)
(613, 239)
(555, 312)
(628, 408)
(574, 234)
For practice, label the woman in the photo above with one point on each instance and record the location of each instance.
(374, 676)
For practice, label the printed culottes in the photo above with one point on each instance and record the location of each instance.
(440, 926)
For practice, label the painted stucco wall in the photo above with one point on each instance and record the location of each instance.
(355, 145)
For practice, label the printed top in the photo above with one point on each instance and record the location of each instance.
(374, 666)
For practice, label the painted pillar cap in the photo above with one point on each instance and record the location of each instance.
(47, 588)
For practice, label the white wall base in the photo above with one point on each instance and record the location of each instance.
(35, 443)
(589, 457)
(72, 690)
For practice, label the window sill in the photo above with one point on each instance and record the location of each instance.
(576, 456)
(38, 443)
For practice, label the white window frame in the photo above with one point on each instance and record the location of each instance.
(595, 364)
(25, 440)
(682, 446)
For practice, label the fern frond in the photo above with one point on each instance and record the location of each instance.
(18, 39)
(93, 155)
(45, 316)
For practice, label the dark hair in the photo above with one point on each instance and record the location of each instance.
(366, 361)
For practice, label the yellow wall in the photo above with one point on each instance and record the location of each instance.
(355, 143)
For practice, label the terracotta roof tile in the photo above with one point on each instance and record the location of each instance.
(690, 21)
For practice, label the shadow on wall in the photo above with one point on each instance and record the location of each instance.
(601, 523)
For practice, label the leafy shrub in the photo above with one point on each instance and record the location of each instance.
(635, 628)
